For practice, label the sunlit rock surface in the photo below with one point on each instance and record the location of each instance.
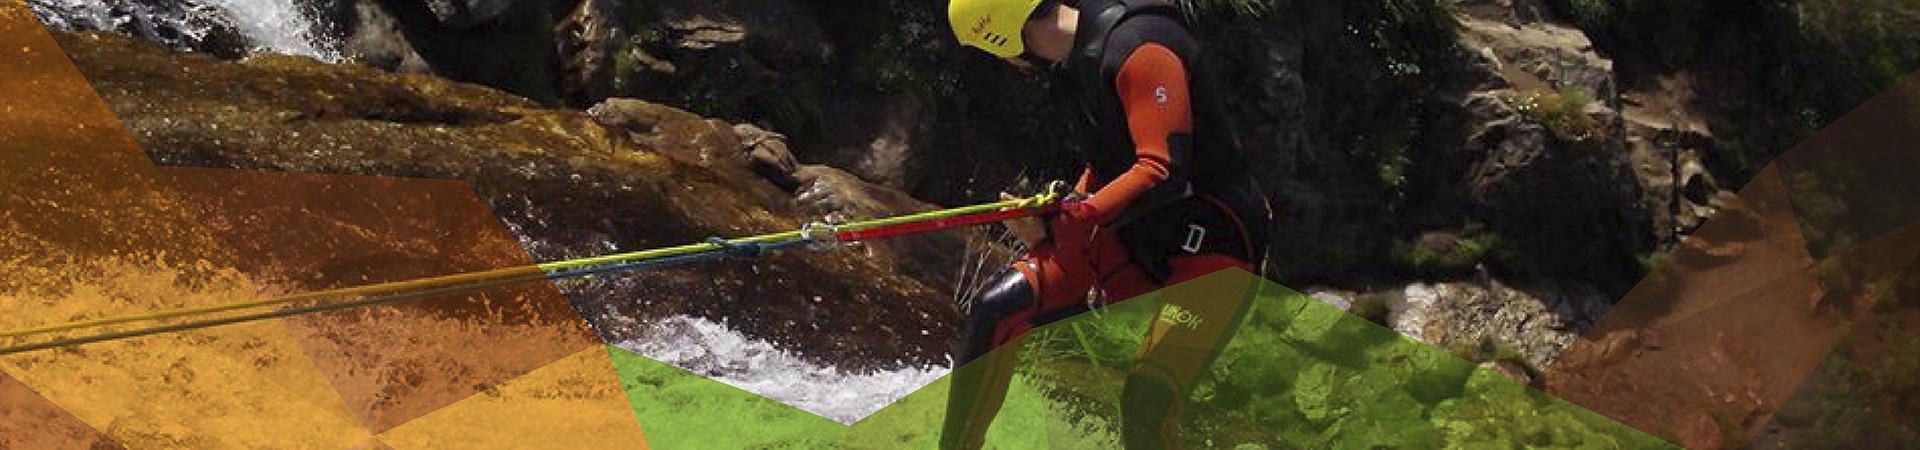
(567, 185)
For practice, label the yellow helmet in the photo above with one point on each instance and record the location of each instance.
(991, 25)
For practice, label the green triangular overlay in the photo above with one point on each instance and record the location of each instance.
(681, 409)
(1294, 373)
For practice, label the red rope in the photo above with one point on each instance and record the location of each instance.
(943, 223)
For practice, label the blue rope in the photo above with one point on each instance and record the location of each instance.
(743, 250)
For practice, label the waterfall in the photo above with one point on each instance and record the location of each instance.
(724, 354)
(275, 26)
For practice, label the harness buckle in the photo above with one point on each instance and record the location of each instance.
(1196, 235)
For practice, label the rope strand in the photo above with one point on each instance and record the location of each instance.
(408, 290)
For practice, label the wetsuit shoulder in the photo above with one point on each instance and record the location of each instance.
(1148, 28)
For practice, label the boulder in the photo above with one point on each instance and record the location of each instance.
(566, 184)
(1546, 157)
(768, 155)
(841, 196)
(375, 39)
(747, 151)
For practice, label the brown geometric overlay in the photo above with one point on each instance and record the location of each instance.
(28, 420)
(90, 228)
(1707, 348)
(310, 232)
(1866, 394)
(1817, 253)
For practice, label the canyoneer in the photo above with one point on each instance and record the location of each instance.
(1167, 198)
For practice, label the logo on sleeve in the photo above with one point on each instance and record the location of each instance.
(1160, 95)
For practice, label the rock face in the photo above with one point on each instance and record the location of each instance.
(377, 40)
(588, 37)
(1490, 321)
(462, 14)
(505, 44)
(1400, 142)
(820, 191)
(565, 183)
(1549, 168)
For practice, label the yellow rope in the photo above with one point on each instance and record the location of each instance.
(531, 272)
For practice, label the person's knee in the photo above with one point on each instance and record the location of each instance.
(1009, 293)
(1004, 299)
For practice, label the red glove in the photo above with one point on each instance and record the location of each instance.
(1074, 225)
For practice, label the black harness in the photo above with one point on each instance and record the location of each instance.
(1210, 203)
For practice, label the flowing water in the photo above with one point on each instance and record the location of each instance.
(698, 345)
(275, 26)
(716, 351)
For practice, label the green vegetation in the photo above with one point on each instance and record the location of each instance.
(1774, 72)
(1297, 373)
(1564, 113)
(1453, 256)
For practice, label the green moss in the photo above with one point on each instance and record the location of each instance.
(1457, 256)
(1563, 112)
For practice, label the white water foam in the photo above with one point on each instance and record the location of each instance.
(716, 351)
(279, 26)
(276, 26)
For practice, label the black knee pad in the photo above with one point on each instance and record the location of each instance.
(1008, 293)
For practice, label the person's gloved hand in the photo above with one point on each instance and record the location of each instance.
(1074, 225)
(1029, 230)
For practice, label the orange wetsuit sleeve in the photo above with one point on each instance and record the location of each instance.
(1152, 85)
(1086, 180)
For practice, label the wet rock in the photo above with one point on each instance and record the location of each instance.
(768, 155)
(839, 195)
(589, 36)
(377, 40)
(710, 143)
(183, 25)
(567, 185)
(461, 14)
